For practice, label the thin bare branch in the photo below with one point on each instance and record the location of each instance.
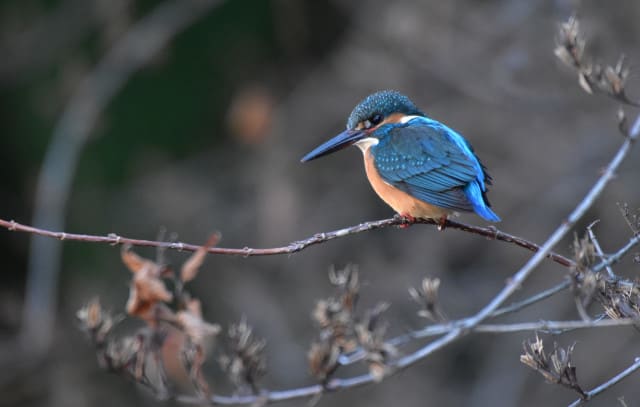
(555, 327)
(609, 383)
(294, 247)
(596, 245)
(617, 256)
(543, 295)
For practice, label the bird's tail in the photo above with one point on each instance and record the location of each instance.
(479, 202)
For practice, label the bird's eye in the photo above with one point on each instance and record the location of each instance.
(374, 120)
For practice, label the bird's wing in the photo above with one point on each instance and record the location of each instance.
(430, 162)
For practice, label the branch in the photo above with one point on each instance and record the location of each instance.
(113, 239)
(554, 326)
(609, 383)
(596, 246)
(443, 328)
(617, 256)
(139, 45)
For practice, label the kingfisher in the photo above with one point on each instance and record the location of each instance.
(418, 166)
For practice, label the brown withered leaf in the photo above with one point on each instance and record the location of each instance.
(191, 267)
(91, 314)
(136, 263)
(145, 292)
(147, 287)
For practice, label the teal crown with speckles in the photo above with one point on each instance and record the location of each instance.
(385, 102)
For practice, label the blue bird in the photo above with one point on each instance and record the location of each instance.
(418, 166)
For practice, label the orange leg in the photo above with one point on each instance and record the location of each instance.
(407, 219)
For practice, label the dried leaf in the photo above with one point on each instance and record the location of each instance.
(96, 321)
(191, 267)
(146, 288)
(136, 263)
(195, 327)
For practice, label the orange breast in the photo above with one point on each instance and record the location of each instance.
(400, 201)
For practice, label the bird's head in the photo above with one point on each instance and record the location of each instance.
(375, 110)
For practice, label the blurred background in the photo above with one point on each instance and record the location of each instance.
(137, 116)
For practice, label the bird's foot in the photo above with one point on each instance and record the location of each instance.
(442, 223)
(407, 220)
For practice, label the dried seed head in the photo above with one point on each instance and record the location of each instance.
(584, 252)
(245, 363)
(555, 367)
(96, 321)
(347, 282)
(591, 77)
(323, 359)
(570, 48)
(427, 298)
(370, 333)
(196, 328)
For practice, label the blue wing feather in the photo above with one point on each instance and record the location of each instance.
(434, 164)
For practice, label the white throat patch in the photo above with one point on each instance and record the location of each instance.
(366, 143)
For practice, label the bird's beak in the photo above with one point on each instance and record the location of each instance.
(342, 140)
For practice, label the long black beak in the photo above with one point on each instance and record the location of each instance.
(342, 140)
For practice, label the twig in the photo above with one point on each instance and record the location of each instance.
(294, 247)
(609, 383)
(440, 329)
(134, 50)
(617, 256)
(548, 326)
(596, 245)
(517, 306)
(554, 326)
